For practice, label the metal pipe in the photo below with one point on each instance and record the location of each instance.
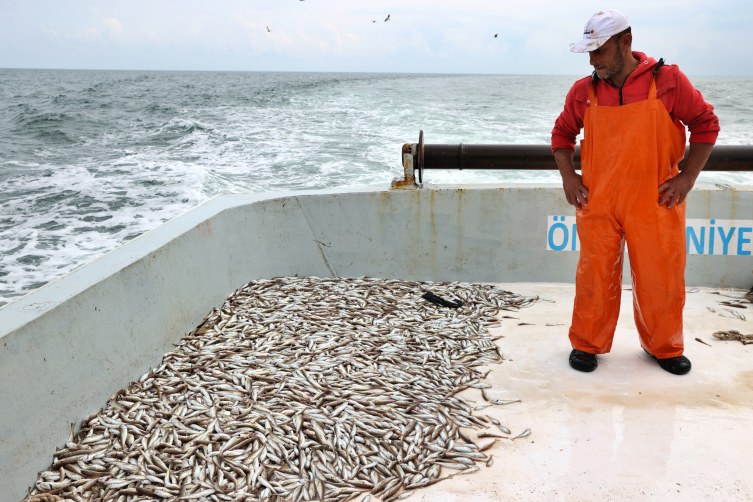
(539, 157)
(736, 158)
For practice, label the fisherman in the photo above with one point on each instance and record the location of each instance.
(632, 109)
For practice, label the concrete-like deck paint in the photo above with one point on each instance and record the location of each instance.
(629, 431)
(67, 347)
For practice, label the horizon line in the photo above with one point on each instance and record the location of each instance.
(2, 68)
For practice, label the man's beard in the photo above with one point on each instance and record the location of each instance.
(613, 69)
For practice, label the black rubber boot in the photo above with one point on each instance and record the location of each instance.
(676, 365)
(583, 361)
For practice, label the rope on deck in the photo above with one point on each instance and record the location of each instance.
(734, 335)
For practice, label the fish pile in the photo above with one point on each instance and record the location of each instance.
(299, 389)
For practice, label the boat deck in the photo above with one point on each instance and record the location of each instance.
(627, 431)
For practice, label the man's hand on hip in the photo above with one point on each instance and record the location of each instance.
(675, 190)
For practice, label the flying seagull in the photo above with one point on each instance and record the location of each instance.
(268, 30)
(388, 18)
(373, 21)
(495, 35)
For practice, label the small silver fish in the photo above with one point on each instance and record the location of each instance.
(523, 434)
(490, 435)
(490, 461)
(711, 310)
(736, 314)
(453, 465)
(733, 295)
(501, 402)
(504, 429)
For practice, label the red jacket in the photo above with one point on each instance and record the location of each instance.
(684, 103)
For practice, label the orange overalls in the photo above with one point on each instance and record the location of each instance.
(626, 153)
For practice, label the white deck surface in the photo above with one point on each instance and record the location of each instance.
(627, 431)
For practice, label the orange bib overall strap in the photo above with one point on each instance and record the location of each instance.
(626, 153)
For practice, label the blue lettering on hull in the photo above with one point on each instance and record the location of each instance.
(705, 237)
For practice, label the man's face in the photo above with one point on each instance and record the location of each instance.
(607, 60)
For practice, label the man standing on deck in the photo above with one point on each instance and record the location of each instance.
(632, 109)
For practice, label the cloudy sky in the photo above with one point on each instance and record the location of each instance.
(442, 36)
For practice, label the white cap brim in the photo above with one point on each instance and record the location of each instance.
(588, 44)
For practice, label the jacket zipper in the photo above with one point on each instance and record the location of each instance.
(656, 70)
(619, 89)
(625, 82)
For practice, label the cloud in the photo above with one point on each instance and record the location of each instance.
(86, 34)
(114, 25)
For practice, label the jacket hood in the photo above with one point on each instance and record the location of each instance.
(645, 63)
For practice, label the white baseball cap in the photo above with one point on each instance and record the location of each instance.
(599, 29)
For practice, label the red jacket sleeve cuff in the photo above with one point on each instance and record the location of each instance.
(562, 142)
(702, 137)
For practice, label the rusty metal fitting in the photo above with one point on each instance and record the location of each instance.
(409, 179)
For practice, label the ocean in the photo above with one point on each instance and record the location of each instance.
(92, 159)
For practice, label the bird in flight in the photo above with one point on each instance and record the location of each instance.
(373, 21)
(388, 18)
(268, 30)
(495, 35)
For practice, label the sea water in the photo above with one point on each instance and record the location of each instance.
(92, 159)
